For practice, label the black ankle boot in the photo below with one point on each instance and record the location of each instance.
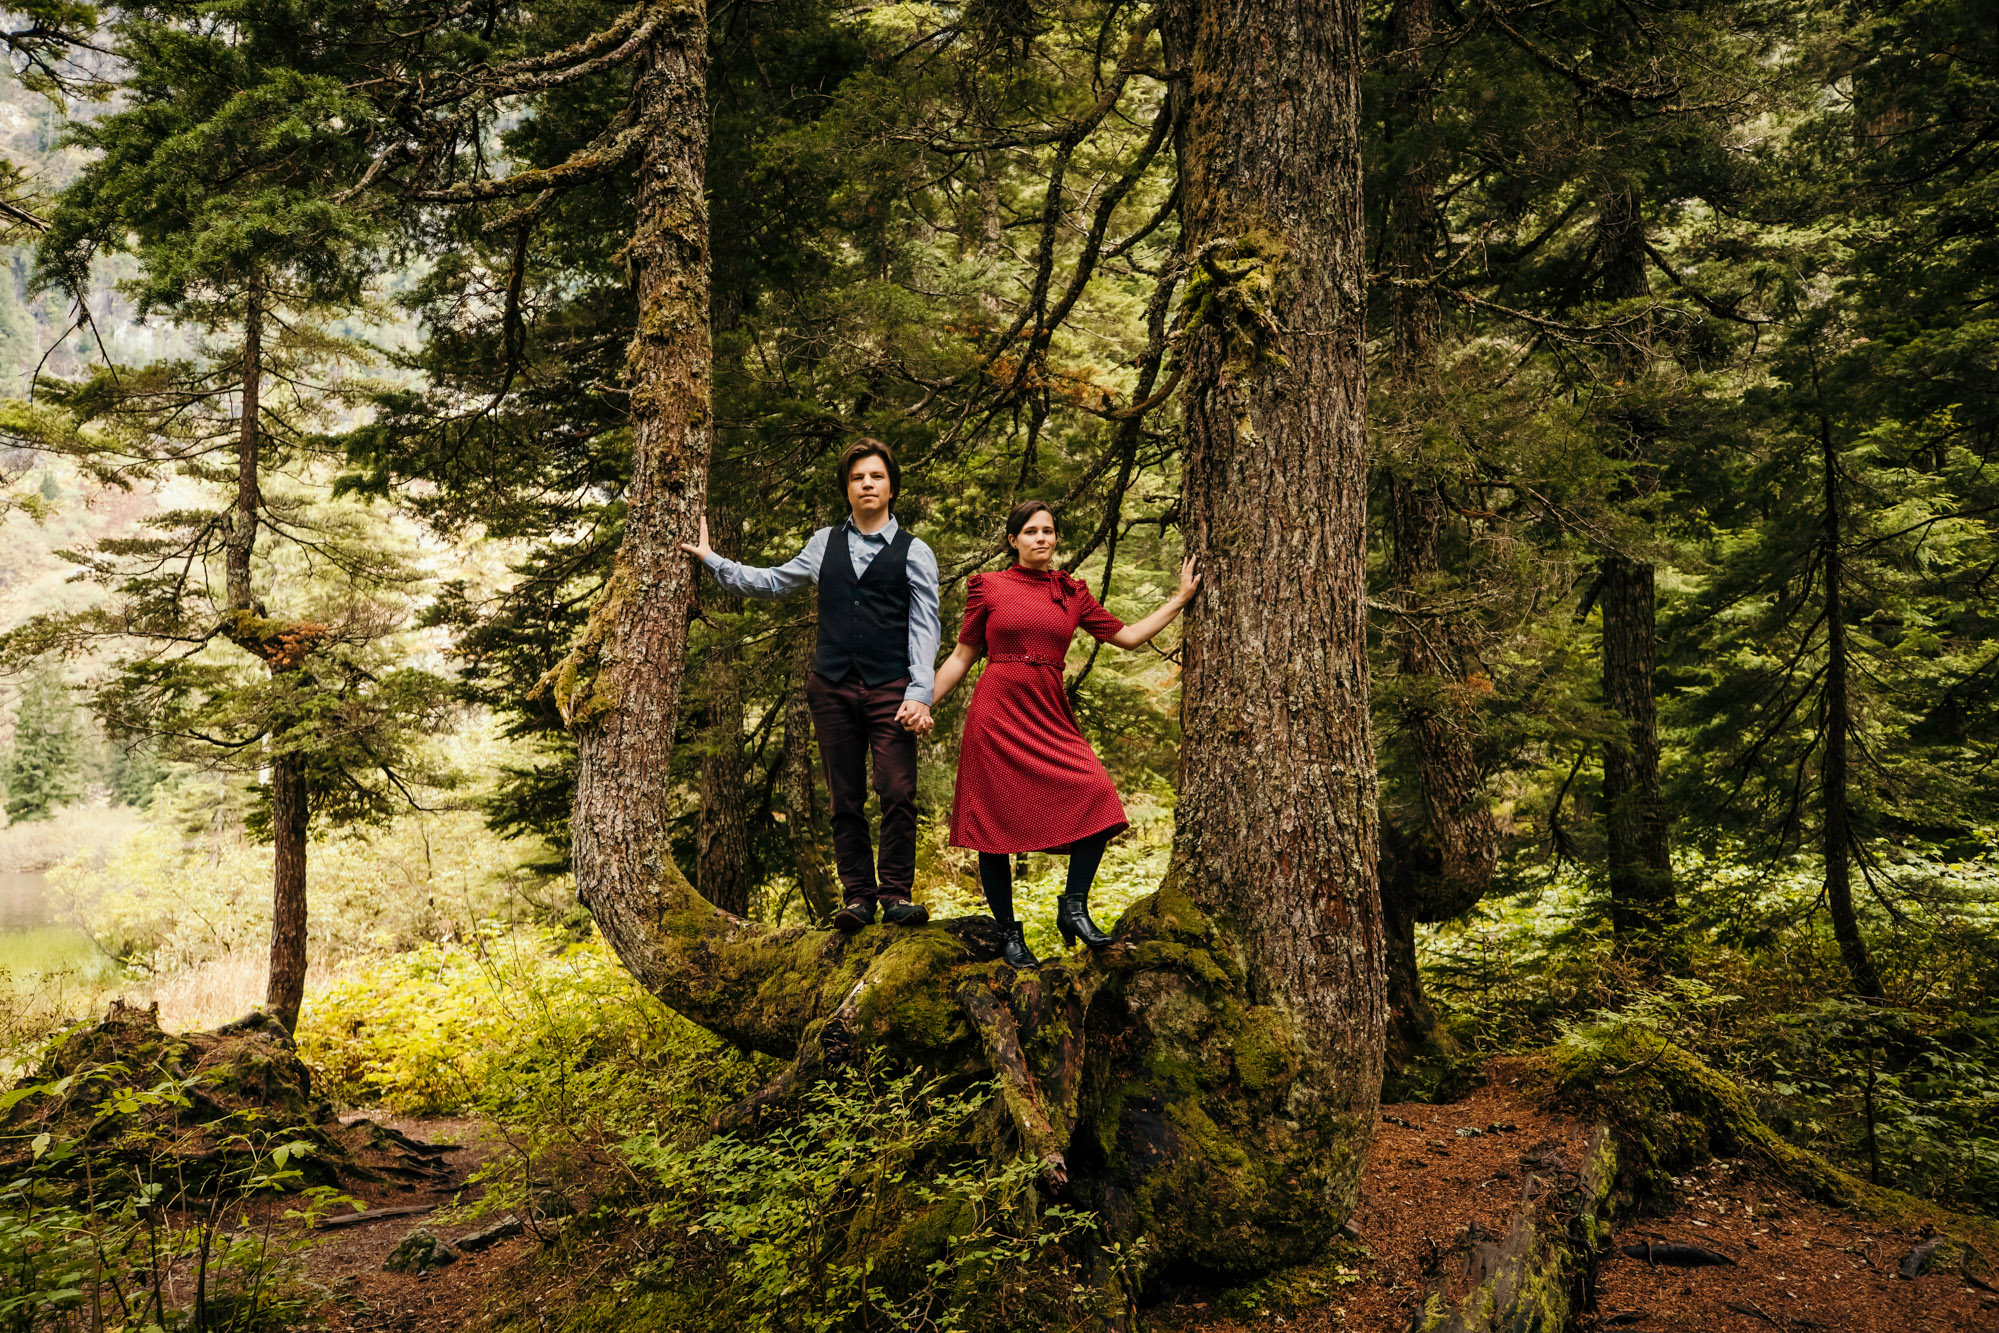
(1013, 951)
(1072, 918)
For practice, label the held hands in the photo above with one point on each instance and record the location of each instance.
(699, 548)
(915, 717)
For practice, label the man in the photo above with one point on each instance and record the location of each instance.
(870, 683)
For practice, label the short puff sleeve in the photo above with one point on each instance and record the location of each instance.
(972, 629)
(1098, 623)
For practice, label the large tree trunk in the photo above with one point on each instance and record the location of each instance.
(290, 815)
(1644, 908)
(1439, 867)
(1838, 719)
(1275, 828)
(1206, 1084)
(723, 871)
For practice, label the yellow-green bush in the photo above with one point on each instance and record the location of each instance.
(527, 1025)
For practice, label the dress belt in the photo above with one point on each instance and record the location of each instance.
(1035, 658)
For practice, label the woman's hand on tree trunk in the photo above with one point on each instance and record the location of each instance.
(1141, 632)
(1190, 581)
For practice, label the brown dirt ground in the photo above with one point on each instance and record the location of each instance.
(1434, 1172)
(1798, 1266)
(348, 1261)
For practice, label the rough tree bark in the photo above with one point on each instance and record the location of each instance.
(1275, 829)
(1441, 865)
(723, 871)
(242, 540)
(1208, 1082)
(291, 812)
(1643, 905)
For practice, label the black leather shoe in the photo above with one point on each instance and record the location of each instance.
(1014, 952)
(1072, 918)
(858, 913)
(902, 912)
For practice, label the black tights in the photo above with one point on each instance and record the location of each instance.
(996, 874)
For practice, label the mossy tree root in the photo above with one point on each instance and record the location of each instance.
(1144, 1077)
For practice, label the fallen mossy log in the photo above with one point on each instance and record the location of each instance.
(1541, 1274)
(194, 1108)
(1671, 1111)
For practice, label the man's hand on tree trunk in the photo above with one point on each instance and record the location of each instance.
(699, 547)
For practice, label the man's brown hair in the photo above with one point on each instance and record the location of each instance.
(871, 448)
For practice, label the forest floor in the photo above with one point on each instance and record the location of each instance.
(1434, 1172)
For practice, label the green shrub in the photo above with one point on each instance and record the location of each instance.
(135, 1246)
(863, 1209)
(527, 1025)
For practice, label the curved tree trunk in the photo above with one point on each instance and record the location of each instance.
(1206, 1084)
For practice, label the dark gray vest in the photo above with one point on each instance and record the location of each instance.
(864, 622)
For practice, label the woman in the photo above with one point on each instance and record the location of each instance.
(1027, 780)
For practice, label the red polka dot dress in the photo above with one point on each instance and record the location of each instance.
(1027, 780)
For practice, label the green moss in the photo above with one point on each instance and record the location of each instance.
(573, 684)
(1673, 1111)
(1264, 1055)
(1231, 293)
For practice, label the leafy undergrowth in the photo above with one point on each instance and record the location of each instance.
(1900, 1092)
(596, 1090)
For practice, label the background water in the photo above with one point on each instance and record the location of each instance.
(23, 900)
(32, 942)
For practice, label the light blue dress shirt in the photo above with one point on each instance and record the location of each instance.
(802, 571)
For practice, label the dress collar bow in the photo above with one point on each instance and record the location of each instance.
(1060, 585)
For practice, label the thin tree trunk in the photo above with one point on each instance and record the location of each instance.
(290, 815)
(723, 871)
(1838, 719)
(1644, 908)
(1642, 902)
(242, 539)
(801, 791)
(291, 807)
(1275, 825)
(1440, 868)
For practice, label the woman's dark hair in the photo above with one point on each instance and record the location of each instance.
(1017, 520)
(867, 448)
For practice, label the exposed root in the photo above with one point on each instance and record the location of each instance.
(1040, 1136)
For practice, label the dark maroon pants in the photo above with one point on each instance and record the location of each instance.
(852, 721)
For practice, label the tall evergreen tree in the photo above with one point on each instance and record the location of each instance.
(235, 127)
(41, 763)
